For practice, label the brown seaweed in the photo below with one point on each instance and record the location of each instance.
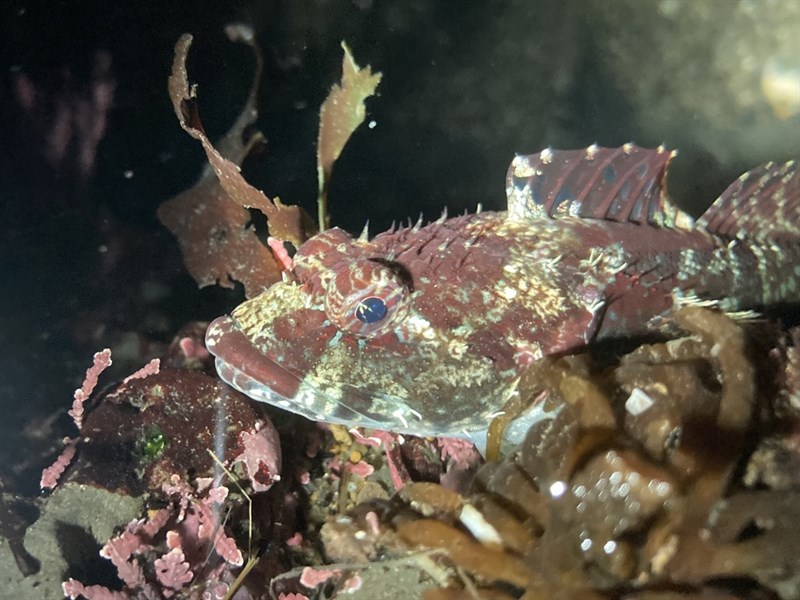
(641, 486)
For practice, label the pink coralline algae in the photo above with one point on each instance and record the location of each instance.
(51, 475)
(197, 524)
(260, 455)
(173, 571)
(122, 551)
(75, 589)
(199, 551)
(390, 442)
(460, 451)
(311, 578)
(191, 349)
(151, 368)
(102, 360)
(160, 425)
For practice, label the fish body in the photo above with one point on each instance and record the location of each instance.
(427, 329)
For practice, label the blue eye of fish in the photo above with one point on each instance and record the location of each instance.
(366, 298)
(371, 310)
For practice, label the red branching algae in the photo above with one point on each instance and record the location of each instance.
(211, 221)
(215, 238)
(340, 115)
(72, 122)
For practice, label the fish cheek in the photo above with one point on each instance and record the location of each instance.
(300, 338)
(491, 343)
(244, 365)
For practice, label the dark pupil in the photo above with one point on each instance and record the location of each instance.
(370, 310)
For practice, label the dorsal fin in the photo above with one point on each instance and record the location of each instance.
(617, 184)
(762, 203)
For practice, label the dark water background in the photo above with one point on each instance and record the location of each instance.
(84, 263)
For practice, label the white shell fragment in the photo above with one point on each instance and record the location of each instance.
(638, 402)
(478, 526)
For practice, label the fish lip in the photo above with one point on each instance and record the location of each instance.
(241, 364)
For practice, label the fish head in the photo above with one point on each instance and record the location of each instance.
(362, 334)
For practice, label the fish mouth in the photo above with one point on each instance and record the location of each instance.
(240, 364)
(244, 367)
(249, 370)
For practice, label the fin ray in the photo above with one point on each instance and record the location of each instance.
(762, 203)
(618, 184)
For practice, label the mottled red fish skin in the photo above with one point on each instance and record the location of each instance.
(451, 265)
(480, 297)
(310, 329)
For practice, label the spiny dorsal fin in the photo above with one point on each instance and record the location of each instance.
(762, 203)
(617, 184)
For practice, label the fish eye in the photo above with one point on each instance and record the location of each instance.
(371, 310)
(366, 298)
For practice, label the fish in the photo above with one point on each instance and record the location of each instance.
(426, 329)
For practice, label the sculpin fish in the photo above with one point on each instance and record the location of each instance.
(427, 329)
